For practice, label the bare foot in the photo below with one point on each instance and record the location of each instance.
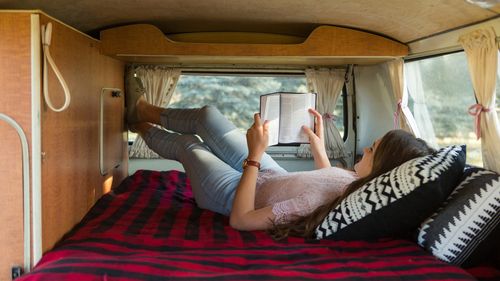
(134, 92)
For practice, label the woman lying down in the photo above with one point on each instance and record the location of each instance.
(231, 174)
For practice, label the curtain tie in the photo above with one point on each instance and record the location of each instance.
(396, 115)
(476, 110)
(329, 116)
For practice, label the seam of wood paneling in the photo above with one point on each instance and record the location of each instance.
(36, 136)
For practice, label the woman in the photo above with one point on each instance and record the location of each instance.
(261, 194)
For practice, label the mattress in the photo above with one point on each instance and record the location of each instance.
(149, 228)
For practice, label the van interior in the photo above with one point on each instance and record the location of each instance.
(84, 198)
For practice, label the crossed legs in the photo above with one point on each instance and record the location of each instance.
(213, 163)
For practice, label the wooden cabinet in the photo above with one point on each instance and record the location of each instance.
(64, 146)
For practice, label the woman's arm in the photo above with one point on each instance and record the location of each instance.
(244, 216)
(317, 141)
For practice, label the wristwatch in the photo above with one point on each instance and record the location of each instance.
(248, 162)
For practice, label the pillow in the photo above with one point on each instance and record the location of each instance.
(396, 202)
(465, 229)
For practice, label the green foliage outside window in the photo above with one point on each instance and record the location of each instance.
(237, 97)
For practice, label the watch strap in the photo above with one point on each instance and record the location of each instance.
(248, 162)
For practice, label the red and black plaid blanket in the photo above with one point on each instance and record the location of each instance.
(149, 228)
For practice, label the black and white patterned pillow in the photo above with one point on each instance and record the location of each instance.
(395, 203)
(466, 228)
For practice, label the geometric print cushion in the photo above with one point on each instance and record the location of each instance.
(396, 202)
(466, 227)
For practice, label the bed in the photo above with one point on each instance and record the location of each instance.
(149, 228)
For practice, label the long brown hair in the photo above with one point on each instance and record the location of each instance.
(395, 148)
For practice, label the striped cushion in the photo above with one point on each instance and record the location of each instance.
(466, 227)
(395, 203)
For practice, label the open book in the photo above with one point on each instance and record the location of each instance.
(287, 113)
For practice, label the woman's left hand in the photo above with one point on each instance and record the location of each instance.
(257, 138)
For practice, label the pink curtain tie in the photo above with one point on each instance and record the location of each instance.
(329, 116)
(476, 110)
(396, 115)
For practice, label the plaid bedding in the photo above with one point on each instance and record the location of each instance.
(149, 228)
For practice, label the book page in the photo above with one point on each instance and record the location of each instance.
(295, 114)
(270, 110)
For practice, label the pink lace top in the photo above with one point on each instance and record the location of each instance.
(300, 193)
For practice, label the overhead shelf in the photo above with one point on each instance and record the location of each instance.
(326, 45)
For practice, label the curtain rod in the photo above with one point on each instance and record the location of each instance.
(235, 69)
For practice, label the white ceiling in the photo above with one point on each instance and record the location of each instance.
(403, 20)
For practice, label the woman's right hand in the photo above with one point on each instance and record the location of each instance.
(257, 138)
(317, 141)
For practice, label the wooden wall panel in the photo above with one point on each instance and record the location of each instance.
(71, 180)
(15, 101)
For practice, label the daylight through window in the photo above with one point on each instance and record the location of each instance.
(441, 92)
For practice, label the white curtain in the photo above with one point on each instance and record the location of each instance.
(420, 111)
(327, 83)
(482, 58)
(160, 83)
(403, 117)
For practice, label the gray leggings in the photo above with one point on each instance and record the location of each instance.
(212, 163)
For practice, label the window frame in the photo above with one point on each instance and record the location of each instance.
(497, 98)
(432, 56)
(345, 112)
(281, 152)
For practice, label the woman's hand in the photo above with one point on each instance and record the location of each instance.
(257, 138)
(317, 141)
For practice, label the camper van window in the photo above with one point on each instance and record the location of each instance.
(440, 93)
(237, 95)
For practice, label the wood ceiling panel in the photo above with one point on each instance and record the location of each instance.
(403, 20)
